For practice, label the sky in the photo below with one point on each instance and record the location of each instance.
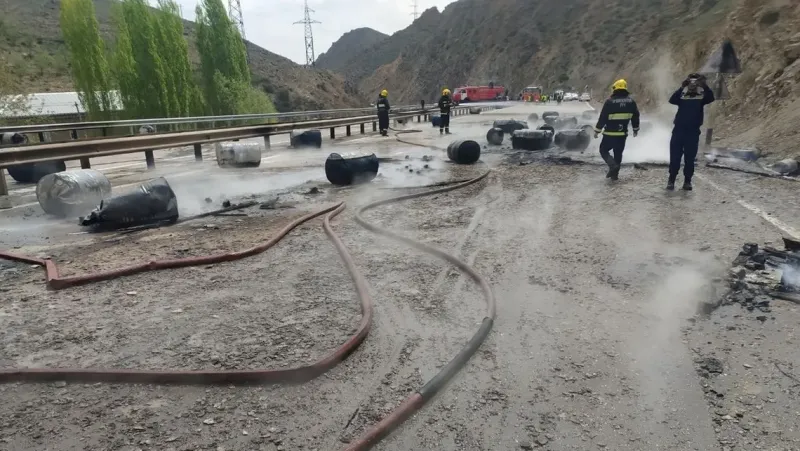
(270, 23)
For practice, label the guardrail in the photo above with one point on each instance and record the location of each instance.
(147, 143)
(104, 126)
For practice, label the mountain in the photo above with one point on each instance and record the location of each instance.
(652, 43)
(350, 44)
(33, 50)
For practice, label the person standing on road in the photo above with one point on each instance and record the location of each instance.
(617, 112)
(445, 102)
(691, 98)
(383, 112)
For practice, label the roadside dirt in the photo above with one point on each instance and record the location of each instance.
(596, 346)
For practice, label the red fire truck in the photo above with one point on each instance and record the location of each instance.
(478, 93)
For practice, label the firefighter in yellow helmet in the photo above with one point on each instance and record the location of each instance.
(383, 112)
(618, 110)
(445, 103)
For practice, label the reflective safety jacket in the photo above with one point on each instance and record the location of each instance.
(383, 105)
(690, 107)
(618, 110)
(444, 105)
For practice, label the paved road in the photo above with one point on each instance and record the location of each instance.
(595, 282)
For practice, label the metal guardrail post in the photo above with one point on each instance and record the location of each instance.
(198, 152)
(374, 127)
(362, 128)
(150, 159)
(333, 132)
(266, 142)
(347, 130)
(4, 200)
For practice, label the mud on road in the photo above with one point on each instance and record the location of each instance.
(597, 344)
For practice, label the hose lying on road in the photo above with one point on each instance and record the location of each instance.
(417, 400)
(292, 375)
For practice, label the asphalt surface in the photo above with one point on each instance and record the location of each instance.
(597, 343)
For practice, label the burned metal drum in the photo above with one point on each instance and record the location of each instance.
(305, 138)
(572, 139)
(72, 193)
(510, 125)
(464, 152)
(153, 202)
(238, 154)
(532, 139)
(495, 136)
(351, 169)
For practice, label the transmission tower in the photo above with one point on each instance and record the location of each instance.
(235, 14)
(415, 11)
(309, 34)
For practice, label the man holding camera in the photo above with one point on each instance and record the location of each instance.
(691, 99)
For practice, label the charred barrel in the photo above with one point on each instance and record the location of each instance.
(344, 170)
(305, 138)
(474, 110)
(464, 152)
(509, 126)
(533, 117)
(532, 139)
(576, 139)
(495, 136)
(549, 117)
(72, 193)
(564, 122)
(29, 172)
(238, 154)
(153, 202)
(436, 120)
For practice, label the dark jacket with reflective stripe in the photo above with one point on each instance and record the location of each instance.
(383, 105)
(618, 110)
(690, 107)
(444, 104)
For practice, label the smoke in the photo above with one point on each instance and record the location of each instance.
(790, 276)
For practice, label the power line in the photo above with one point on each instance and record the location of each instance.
(415, 12)
(309, 35)
(235, 14)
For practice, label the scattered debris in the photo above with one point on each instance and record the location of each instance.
(640, 167)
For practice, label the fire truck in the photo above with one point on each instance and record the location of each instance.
(532, 94)
(478, 93)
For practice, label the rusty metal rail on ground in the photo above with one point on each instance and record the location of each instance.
(84, 150)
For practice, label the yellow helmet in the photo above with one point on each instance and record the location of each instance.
(620, 84)
(445, 92)
(384, 93)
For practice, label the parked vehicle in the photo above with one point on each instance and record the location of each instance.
(585, 97)
(478, 93)
(532, 94)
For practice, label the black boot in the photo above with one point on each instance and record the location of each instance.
(687, 185)
(671, 184)
(614, 172)
(441, 131)
(447, 131)
(610, 162)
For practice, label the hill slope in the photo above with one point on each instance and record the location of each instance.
(32, 48)
(350, 44)
(652, 43)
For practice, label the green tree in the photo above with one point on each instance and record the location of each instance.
(151, 60)
(87, 56)
(223, 64)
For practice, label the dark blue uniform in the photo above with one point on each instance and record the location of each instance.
(383, 115)
(445, 103)
(686, 131)
(618, 110)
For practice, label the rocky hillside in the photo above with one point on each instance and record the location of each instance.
(653, 43)
(33, 50)
(350, 44)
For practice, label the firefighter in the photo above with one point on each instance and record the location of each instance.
(445, 102)
(617, 112)
(383, 112)
(693, 95)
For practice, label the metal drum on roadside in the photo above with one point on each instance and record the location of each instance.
(238, 154)
(464, 151)
(72, 193)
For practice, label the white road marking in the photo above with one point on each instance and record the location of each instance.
(782, 226)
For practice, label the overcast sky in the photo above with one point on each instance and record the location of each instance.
(269, 23)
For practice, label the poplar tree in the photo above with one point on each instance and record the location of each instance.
(223, 64)
(87, 55)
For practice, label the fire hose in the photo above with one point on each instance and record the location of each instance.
(291, 375)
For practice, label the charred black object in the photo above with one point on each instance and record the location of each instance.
(305, 138)
(342, 170)
(510, 126)
(464, 152)
(151, 203)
